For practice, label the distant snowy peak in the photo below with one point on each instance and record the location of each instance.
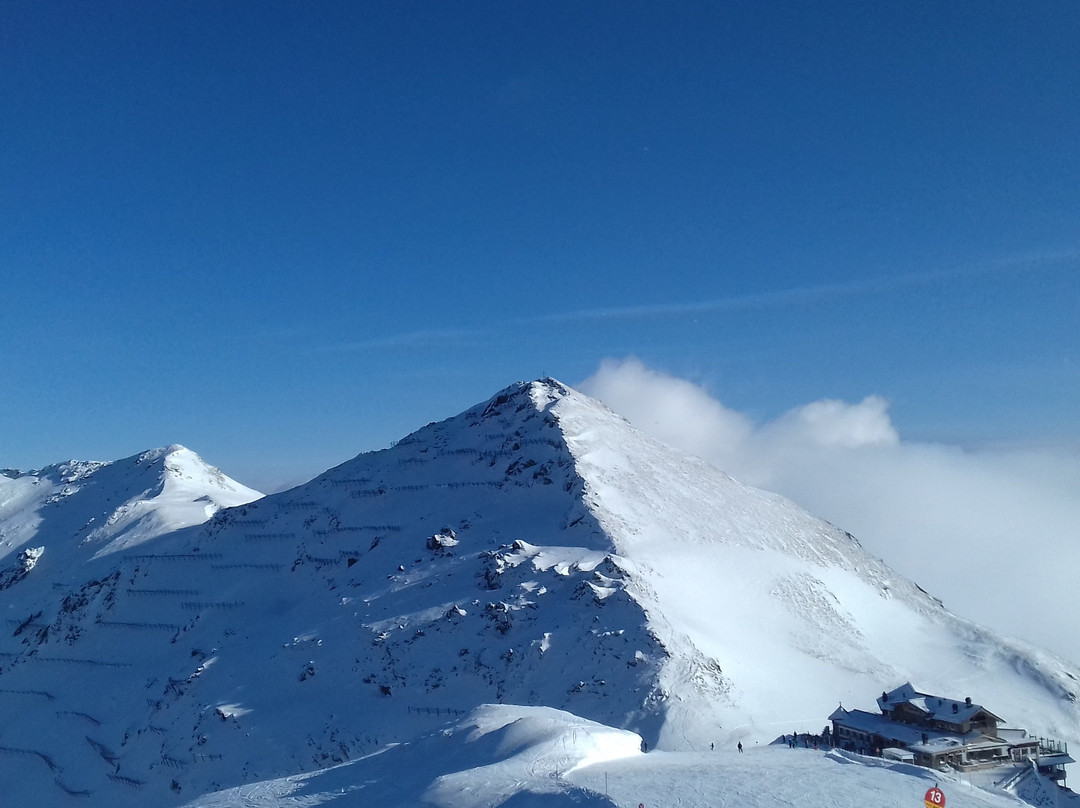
(165, 470)
(181, 467)
(186, 492)
(109, 506)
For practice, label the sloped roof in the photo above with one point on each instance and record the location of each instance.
(917, 739)
(879, 725)
(932, 706)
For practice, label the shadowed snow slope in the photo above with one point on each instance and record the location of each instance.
(533, 550)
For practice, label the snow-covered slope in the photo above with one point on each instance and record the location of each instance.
(105, 507)
(534, 550)
(536, 757)
(770, 611)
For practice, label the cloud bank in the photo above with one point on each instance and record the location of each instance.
(992, 533)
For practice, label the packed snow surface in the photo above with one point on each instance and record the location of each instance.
(535, 756)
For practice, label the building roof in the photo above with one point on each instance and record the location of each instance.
(874, 723)
(1016, 735)
(1055, 759)
(933, 707)
(897, 753)
(906, 735)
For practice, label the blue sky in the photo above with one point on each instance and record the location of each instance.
(285, 233)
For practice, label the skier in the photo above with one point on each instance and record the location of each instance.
(740, 747)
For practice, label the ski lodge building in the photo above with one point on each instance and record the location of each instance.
(938, 733)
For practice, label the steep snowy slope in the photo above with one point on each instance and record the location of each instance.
(769, 612)
(109, 506)
(534, 550)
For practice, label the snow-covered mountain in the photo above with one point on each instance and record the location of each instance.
(106, 507)
(534, 550)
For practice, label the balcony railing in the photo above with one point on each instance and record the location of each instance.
(1049, 746)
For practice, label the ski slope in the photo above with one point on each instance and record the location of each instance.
(542, 758)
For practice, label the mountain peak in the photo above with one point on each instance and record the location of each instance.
(111, 505)
(163, 453)
(534, 549)
(540, 393)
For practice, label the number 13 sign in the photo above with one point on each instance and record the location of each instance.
(935, 798)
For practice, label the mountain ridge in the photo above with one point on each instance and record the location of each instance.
(111, 505)
(534, 549)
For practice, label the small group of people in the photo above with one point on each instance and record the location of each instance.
(806, 737)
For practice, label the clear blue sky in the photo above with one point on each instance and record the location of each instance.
(285, 233)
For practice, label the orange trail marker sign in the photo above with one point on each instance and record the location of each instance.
(935, 798)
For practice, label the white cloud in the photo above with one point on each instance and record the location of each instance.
(834, 423)
(991, 532)
(674, 410)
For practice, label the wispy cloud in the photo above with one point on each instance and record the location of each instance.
(804, 295)
(478, 332)
(991, 532)
(409, 340)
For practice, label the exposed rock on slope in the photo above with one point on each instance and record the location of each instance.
(533, 550)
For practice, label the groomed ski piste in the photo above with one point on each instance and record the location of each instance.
(537, 757)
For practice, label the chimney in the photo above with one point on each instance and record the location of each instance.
(967, 701)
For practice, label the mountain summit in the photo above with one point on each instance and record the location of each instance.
(106, 507)
(533, 550)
